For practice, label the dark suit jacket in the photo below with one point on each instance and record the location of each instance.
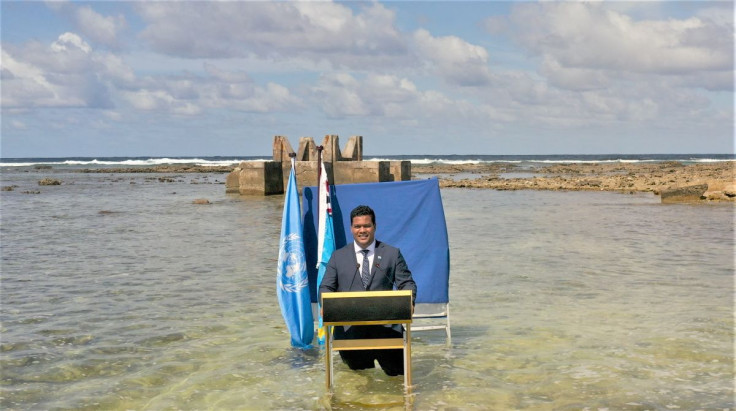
(389, 269)
(343, 274)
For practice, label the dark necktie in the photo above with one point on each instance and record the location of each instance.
(365, 271)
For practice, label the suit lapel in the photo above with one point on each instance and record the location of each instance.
(377, 255)
(356, 273)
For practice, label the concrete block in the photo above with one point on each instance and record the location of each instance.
(306, 174)
(258, 178)
(350, 172)
(400, 170)
(232, 183)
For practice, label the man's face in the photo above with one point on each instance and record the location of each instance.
(364, 231)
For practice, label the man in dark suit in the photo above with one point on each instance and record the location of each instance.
(368, 265)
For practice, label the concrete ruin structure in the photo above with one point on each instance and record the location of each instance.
(343, 167)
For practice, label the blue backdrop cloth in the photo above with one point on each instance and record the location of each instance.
(409, 215)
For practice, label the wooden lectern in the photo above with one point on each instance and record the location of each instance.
(368, 308)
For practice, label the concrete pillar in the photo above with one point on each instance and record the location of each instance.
(354, 149)
(307, 150)
(331, 152)
(271, 177)
(281, 149)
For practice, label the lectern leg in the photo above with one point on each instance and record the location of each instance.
(407, 359)
(328, 356)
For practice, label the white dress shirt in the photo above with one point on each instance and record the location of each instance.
(359, 255)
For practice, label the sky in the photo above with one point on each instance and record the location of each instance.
(204, 78)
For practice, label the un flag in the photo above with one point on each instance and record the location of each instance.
(292, 280)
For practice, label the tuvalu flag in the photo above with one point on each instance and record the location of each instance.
(325, 239)
(292, 282)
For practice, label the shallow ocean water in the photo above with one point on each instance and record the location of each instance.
(118, 293)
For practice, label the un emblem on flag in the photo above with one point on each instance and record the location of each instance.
(292, 264)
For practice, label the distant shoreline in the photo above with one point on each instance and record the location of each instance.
(416, 159)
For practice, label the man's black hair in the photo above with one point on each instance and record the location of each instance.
(362, 210)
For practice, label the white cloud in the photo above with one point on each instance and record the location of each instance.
(599, 67)
(328, 18)
(148, 100)
(112, 115)
(580, 66)
(458, 61)
(70, 73)
(190, 94)
(69, 42)
(274, 97)
(66, 73)
(18, 124)
(511, 98)
(396, 99)
(100, 29)
(372, 95)
(573, 78)
(576, 35)
(23, 82)
(282, 31)
(227, 76)
(339, 95)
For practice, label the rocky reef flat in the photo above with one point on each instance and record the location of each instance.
(169, 168)
(656, 177)
(660, 178)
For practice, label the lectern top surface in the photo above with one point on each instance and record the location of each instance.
(366, 307)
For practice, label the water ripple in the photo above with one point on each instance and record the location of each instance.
(126, 296)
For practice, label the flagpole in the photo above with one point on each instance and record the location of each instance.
(320, 331)
(319, 177)
(325, 233)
